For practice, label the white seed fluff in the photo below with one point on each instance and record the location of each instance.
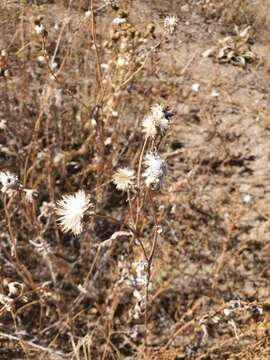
(157, 111)
(87, 14)
(124, 178)
(9, 182)
(71, 210)
(149, 127)
(141, 272)
(155, 121)
(170, 23)
(158, 115)
(40, 29)
(119, 21)
(3, 124)
(155, 169)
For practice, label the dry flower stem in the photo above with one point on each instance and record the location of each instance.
(149, 266)
(139, 181)
(131, 212)
(141, 67)
(93, 32)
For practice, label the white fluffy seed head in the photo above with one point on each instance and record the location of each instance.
(40, 29)
(170, 23)
(149, 127)
(158, 115)
(155, 121)
(124, 178)
(119, 21)
(155, 169)
(10, 182)
(71, 210)
(157, 111)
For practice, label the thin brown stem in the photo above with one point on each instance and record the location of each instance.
(143, 248)
(131, 212)
(146, 313)
(149, 268)
(94, 37)
(139, 183)
(140, 163)
(154, 245)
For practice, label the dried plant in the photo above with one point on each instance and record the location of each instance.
(234, 49)
(133, 204)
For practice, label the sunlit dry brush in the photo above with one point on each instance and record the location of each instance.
(125, 229)
(66, 129)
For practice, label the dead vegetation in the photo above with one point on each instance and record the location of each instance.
(149, 261)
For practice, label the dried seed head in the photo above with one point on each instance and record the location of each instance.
(113, 3)
(140, 268)
(159, 116)
(119, 21)
(10, 182)
(149, 127)
(157, 111)
(3, 124)
(155, 169)
(15, 288)
(71, 210)
(40, 30)
(170, 23)
(157, 120)
(46, 210)
(124, 178)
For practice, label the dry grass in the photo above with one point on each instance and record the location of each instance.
(178, 271)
